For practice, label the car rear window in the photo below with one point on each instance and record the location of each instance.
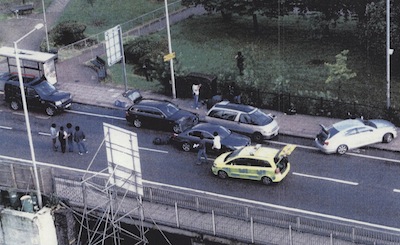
(260, 118)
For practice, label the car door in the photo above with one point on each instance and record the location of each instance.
(208, 137)
(366, 136)
(149, 116)
(33, 99)
(245, 124)
(238, 168)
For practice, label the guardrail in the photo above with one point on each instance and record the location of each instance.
(201, 212)
(97, 40)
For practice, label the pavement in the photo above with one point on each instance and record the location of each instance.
(76, 77)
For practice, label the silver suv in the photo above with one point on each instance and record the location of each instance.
(244, 119)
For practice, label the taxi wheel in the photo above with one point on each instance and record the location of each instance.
(266, 181)
(222, 174)
(342, 149)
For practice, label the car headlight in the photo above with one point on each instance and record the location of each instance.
(58, 103)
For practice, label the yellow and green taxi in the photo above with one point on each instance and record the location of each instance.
(255, 163)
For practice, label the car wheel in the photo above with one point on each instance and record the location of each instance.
(342, 149)
(257, 137)
(387, 138)
(50, 111)
(137, 123)
(15, 105)
(176, 128)
(222, 174)
(186, 146)
(266, 181)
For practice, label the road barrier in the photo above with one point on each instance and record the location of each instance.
(197, 211)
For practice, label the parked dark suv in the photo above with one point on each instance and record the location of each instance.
(40, 94)
(160, 114)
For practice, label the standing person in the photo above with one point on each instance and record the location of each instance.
(240, 62)
(54, 135)
(62, 137)
(216, 141)
(70, 137)
(196, 93)
(202, 150)
(79, 138)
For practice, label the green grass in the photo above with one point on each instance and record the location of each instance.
(105, 14)
(283, 51)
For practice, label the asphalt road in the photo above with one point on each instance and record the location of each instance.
(354, 186)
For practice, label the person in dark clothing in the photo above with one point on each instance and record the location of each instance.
(147, 70)
(79, 138)
(70, 137)
(201, 146)
(62, 137)
(240, 62)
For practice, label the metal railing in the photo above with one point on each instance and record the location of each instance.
(201, 212)
(96, 41)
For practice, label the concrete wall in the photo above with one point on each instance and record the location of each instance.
(19, 228)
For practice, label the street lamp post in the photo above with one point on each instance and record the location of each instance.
(24, 105)
(171, 61)
(388, 54)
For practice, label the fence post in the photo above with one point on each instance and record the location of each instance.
(298, 222)
(197, 204)
(290, 235)
(176, 214)
(252, 229)
(213, 222)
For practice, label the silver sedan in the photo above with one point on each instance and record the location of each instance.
(354, 133)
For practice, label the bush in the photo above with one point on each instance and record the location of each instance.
(66, 33)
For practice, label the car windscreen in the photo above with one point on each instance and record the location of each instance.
(169, 109)
(369, 123)
(223, 132)
(233, 154)
(260, 118)
(45, 89)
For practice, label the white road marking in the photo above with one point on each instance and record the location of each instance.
(4, 127)
(396, 190)
(324, 178)
(95, 115)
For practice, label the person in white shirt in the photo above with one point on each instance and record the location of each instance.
(196, 93)
(216, 141)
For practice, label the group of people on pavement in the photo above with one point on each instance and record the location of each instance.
(70, 136)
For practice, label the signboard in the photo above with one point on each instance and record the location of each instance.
(113, 38)
(123, 158)
(169, 56)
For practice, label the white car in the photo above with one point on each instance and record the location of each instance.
(354, 133)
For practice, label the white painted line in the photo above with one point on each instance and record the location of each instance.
(4, 127)
(396, 190)
(44, 134)
(18, 113)
(375, 158)
(328, 179)
(149, 149)
(95, 115)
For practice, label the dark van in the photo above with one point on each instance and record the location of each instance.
(40, 94)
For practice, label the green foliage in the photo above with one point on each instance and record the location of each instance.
(66, 33)
(338, 72)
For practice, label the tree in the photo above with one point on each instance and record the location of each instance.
(251, 8)
(372, 31)
(67, 32)
(338, 72)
